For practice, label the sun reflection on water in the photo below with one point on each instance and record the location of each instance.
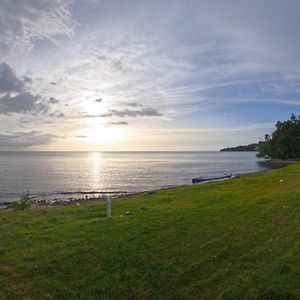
(96, 166)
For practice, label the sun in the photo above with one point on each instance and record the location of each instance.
(105, 134)
(99, 130)
(95, 131)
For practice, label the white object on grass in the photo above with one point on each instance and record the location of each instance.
(107, 199)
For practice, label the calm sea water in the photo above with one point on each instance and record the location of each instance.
(69, 174)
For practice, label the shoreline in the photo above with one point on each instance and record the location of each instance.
(56, 202)
(280, 163)
(40, 204)
(72, 184)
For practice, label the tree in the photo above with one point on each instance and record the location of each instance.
(284, 142)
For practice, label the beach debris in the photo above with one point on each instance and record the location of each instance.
(281, 180)
(54, 202)
(65, 200)
(128, 213)
(204, 179)
(151, 193)
(40, 201)
(121, 216)
(235, 176)
(77, 204)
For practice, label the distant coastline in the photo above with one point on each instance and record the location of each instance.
(250, 148)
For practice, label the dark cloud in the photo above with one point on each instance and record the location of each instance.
(56, 114)
(81, 136)
(21, 140)
(52, 100)
(85, 116)
(22, 103)
(143, 112)
(98, 100)
(15, 96)
(27, 80)
(133, 104)
(9, 82)
(118, 123)
(102, 57)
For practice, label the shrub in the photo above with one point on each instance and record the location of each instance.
(24, 203)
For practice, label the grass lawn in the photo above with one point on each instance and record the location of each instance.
(236, 239)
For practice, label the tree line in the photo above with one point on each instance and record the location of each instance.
(284, 142)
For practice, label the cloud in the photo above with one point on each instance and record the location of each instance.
(9, 82)
(218, 45)
(133, 104)
(23, 140)
(53, 100)
(56, 114)
(122, 113)
(118, 123)
(22, 23)
(187, 62)
(15, 96)
(22, 103)
(143, 112)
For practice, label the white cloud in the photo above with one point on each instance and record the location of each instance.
(178, 57)
(22, 23)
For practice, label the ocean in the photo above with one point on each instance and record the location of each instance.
(51, 175)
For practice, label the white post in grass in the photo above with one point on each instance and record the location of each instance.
(107, 199)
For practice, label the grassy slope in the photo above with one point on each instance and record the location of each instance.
(237, 239)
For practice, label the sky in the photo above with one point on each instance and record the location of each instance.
(137, 75)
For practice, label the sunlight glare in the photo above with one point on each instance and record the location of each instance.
(105, 134)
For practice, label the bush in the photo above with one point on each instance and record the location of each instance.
(24, 203)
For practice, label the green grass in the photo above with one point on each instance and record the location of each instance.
(236, 239)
